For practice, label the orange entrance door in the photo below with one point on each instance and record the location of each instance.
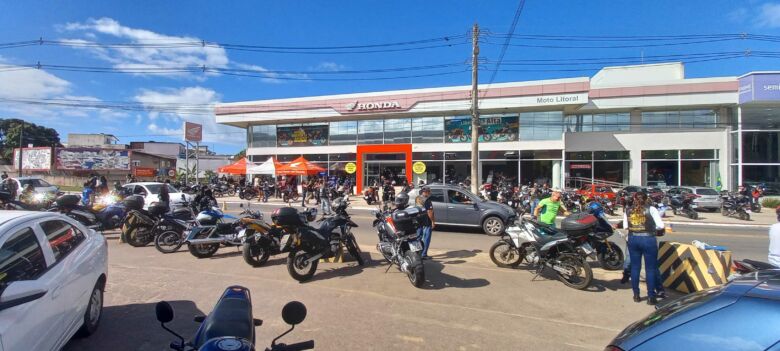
(362, 150)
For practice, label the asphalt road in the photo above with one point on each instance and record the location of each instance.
(466, 304)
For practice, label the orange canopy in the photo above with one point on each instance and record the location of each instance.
(299, 166)
(235, 168)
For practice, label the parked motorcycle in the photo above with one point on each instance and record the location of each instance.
(683, 205)
(370, 195)
(607, 204)
(142, 227)
(40, 201)
(736, 205)
(543, 247)
(247, 193)
(309, 244)
(260, 239)
(106, 214)
(398, 241)
(290, 195)
(211, 231)
(231, 326)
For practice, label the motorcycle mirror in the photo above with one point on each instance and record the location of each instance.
(241, 205)
(293, 313)
(164, 312)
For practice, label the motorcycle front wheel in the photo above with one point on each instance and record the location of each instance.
(168, 242)
(231, 192)
(504, 255)
(203, 250)
(693, 214)
(298, 268)
(611, 258)
(255, 255)
(581, 275)
(354, 249)
(414, 270)
(134, 239)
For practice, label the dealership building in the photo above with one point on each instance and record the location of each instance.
(641, 125)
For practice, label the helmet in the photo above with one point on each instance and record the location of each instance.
(401, 200)
(595, 208)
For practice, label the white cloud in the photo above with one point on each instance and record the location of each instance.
(769, 15)
(330, 67)
(22, 82)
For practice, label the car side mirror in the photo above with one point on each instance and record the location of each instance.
(21, 292)
(164, 312)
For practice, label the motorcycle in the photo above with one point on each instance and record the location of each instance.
(142, 227)
(607, 204)
(247, 193)
(572, 201)
(40, 201)
(308, 244)
(543, 247)
(736, 205)
(398, 241)
(106, 214)
(683, 204)
(205, 238)
(231, 326)
(260, 240)
(290, 195)
(370, 195)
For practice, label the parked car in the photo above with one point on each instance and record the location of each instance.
(741, 315)
(41, 186)
(455, 205)
(593, 190)
(52, 276)
(708, 199)
(151, 190)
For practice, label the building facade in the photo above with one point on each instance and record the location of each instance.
(642, 125)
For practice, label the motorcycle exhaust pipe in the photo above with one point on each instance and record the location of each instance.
(205, 241)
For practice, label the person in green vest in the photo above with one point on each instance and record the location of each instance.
(548, 208)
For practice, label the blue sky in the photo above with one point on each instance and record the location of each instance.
(315, 24)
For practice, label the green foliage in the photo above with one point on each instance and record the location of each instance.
(241, 154)
(33, 134)
(770, 202)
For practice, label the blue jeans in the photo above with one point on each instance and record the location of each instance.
(659, 283)
(325, 205)
(643, 248)
(424, 234)
(265, 196)
(303, 198)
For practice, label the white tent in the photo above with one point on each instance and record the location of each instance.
(266, 167)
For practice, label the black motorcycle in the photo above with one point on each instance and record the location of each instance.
(211, 232)
(231, 326)
(141, 227)
(398, 241)
(247, 193)
(308, 244)
(260, 240)
(683, 205)
(736, 205)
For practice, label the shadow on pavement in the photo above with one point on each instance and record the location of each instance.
(436, 279)
(135, 327)
(455, 257)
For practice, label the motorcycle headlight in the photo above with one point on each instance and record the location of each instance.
(39, 197)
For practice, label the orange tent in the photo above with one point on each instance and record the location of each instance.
(235, 168)
(299, 166)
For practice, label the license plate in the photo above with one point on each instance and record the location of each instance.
(415, 246)
(587, 248)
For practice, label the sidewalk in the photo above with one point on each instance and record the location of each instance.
(762, 220)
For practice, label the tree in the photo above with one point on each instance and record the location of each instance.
(241, 154)
(33, 134)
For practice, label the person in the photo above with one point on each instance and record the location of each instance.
(266, 190)
(165, 195)
(774, 241)
(4, 176)
(551, 206)
(643, 222)
(11, 186)
(427, 221)
(324, 198)
(28, 195)
(88, 194)
(205, 199)
(304, 193)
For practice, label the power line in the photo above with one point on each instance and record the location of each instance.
(512, 27)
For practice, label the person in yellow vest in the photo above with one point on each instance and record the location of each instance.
(643, 223)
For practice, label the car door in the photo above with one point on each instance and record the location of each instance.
(36, 324)
(439, 205)
(461, 209)
(70, 251)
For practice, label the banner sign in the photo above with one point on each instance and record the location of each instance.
(34, 159)
(493, 128)
(144, 172)
(92, 159)
(193, 131)
(759, 87)
(302, 135)
(350, 168)
(579, 166)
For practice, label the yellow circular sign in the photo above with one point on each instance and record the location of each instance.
(418, 167)
(350, 167)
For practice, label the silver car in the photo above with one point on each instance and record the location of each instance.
(708, 199)
(41, 186)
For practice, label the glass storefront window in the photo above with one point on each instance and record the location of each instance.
(541, 125)
(309, 134)
(287, 158)
(540, 154)
(457, 171)
(760, 118)
(660, 173)
(316, 158)
(385, 157)
(579, 156)
(342, 157)
(611, 155)
(611, 171)
(428, 155)
(699, 154)
(659, 154)
(398, 131)
(493, 128)
(263, 136)
(768, 175)
(602, 122)
(428, 130)
(494, 171)
(679, 119)
(434, 171)
(370, 131)
(343, 133)
(699, 173)
(760, 147)
(458, 155)
(734, 147)
(497, 155)
(536, 172)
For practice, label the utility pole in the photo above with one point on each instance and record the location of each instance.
(21, 148)
(474, 112)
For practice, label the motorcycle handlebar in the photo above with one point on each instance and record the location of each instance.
(306, 345)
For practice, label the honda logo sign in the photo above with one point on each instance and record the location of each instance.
(193, 131)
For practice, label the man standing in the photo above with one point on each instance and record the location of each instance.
(551, 206)
(325, 198)
(427, 220)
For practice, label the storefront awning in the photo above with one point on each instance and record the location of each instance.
(236, 168)
(299, 166)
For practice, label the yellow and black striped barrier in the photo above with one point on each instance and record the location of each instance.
(686, 268)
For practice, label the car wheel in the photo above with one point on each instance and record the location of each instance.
(93, 313)
(493, 226)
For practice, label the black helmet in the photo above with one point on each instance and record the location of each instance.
(401, 200)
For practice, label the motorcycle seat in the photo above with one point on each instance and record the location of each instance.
(230, 317)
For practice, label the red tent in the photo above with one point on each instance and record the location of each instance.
(299, 166)
(235, 168)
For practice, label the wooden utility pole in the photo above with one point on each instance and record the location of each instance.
(21, 148)
(474, 113)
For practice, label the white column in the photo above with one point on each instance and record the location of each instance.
(635, 175)
(556, 174)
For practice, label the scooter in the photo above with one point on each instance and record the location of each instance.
(231, 326)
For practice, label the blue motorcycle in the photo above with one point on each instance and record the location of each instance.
(231, 326)
(105, 214)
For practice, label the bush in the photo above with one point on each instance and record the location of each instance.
(770, 202)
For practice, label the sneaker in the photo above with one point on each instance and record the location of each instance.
(626, 277)
(636, 298)
(652, 300)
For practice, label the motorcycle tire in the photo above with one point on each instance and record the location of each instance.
(133, 239)
(756, 208)
(611, 260)
(504, 255)
(241, 196)
(415, 270)
(168, 242)
(203, 250)
(295, 264)
(744, 216)
(354, 249)
(693, 215)
(724, 211)
(295, 198)
(231, 192)
(255, 255)
(581, 267)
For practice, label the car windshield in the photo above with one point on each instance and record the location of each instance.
(706, 191)
(37, 183)
(155, 188)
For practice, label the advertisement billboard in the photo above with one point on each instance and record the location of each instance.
(34, 159)
(493, 128)
(193, 132)
(759, 87)
(315, 135)
(92, 159)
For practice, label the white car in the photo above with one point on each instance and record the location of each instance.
(151, 190)
(53, 273)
